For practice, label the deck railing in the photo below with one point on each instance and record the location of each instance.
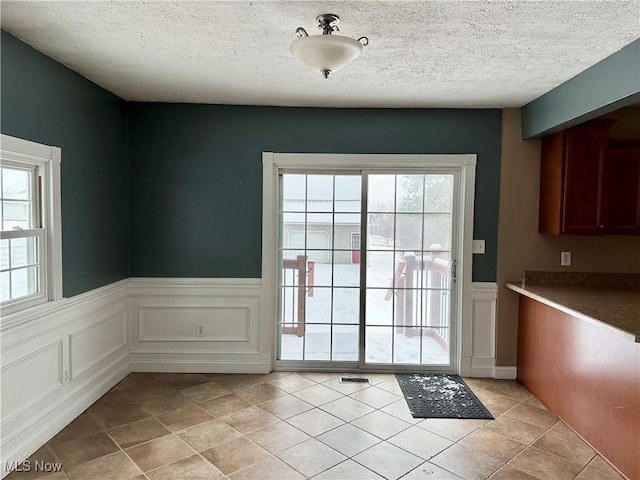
(422, 288)
(297, 283)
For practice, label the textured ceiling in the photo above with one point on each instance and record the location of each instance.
(421, 53)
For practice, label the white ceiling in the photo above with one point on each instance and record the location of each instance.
(421, 53)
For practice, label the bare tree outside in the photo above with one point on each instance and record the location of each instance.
(423, 216)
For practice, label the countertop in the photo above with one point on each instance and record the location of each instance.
(615, 305)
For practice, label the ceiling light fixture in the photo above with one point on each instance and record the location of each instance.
(327, 53)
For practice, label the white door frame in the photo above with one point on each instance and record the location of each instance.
(272, 163)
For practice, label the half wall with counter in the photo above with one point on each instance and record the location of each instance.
(579, 353)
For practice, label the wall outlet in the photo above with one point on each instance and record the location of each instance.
(478, 246)
(565, 259)
(200, 330)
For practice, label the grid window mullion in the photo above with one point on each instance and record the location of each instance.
(422, 293)
(395, 244)
(333, 259)
(306, 234)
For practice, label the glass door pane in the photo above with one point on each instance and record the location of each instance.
(397, 267)
(319, 293)
(408, 269)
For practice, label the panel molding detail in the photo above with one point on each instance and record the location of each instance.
(479, 356)
(42, 375)
(90, 342)
(83, 346)
(103, 337)
(197, 325)
(146, 323)
(57, 359)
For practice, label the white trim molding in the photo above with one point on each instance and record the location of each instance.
(462, 166)
(57, 359)
(197, 325)
(46, 160)
(506, 373)
(60, 357)
(479, 343)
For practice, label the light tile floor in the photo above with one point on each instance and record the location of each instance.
(308, 425)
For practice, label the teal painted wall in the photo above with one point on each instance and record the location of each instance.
(190, 202)
(608, 85)
(196, 175)
(45, 102)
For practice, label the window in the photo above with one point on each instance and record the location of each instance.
(30, 243)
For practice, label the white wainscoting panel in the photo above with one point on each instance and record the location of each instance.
(57, 359)
(94, 342)
(197, 325)
(484, 323)
(222, 323)
(480, 355)
(30, 378)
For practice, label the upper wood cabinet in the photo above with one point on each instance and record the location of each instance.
(586, 185)
(622, 194)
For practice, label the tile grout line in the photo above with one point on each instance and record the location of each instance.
(375, 409)
(151, 415)
(530, 444)
(138, 402)
(382, 439)
(319, 408)
(457, 442)
(242, 435)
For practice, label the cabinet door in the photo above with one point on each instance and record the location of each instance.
(584, 157)
(622, 199)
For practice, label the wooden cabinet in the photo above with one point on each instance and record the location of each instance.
(587, 186)
(622, 194)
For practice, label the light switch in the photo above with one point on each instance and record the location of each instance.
(478, 246)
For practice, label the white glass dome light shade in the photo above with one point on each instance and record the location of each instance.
(326, 52)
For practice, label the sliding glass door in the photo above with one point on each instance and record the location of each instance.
(366, 269)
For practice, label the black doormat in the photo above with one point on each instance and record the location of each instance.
(433, 395)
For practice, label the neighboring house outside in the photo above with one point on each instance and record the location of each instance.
(325, 231)
(323, 213)
(327, 208)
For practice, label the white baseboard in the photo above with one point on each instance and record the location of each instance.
(482, 367)
(195, 362)
(506, 373)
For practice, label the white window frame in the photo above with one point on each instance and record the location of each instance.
(45, 161)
